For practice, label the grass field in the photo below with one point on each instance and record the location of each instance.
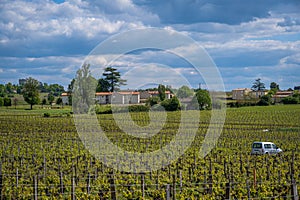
(44, 158)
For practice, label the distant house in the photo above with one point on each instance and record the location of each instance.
(103, 97)
(117, 97)
(257, 94)
(277, 98)
(246, 93)
(123, 97)
(144, 95)
(240, 93)
(65, 98)
(156, 94)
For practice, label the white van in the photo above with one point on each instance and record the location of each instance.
(260, 148)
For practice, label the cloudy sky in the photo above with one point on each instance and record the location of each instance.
(49, 40)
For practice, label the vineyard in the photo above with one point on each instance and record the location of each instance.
(44, 158)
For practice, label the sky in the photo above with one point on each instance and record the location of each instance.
(49, 40)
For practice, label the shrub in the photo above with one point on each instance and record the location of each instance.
(172, 104)
(7, 101)
(290, 100)
(46, 114)
(238, 104)
(1, 102)
(103, 109)
(152, 101)
(204, 100)
(138, 108)
(264, 100)
(157, 107)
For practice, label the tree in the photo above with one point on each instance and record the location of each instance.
(7, 101)
(15, 102)
(103, 85)
(274, 85)
(83, 90)
(70, 90)
(203, 99)
(1, 101)
(184, 92)
(59, 101)
(2, 90)
(31, 92)
(152, 101)
(161, 92)
(44, 102)
(9, 88)
(50, 98)
(265, 100)
(172, 104)
(258, 85)
(113, 77)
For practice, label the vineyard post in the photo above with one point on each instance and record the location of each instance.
(268, 168)
(205, 181)
(96, 174)
(0, 180)
(177, 169)
(180, 177)
(254, 177)
(73, 196)
(35, 188)
(293, 182)
(88, 184)
(241, 163)
(17, 177)
(295, 191)
(168, 192)
(225, 169)
(61, 183)
(113, 191)
(143, 185)
(174, 187)
(45, 166)
(156, 181)
(190, 174)
(248, 190)
(279, 177)
(210, 177)
(227, 194)
(17, 182)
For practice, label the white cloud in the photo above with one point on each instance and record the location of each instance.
(35, 22)
(292, 59)
(154, 73)
(248, 38)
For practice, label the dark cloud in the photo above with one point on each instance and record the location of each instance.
(251, 58)
(220, 11)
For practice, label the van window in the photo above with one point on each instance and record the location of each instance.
(267, 146)
(257, 145)
(274, 146)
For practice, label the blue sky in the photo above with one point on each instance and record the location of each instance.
(48, 40)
